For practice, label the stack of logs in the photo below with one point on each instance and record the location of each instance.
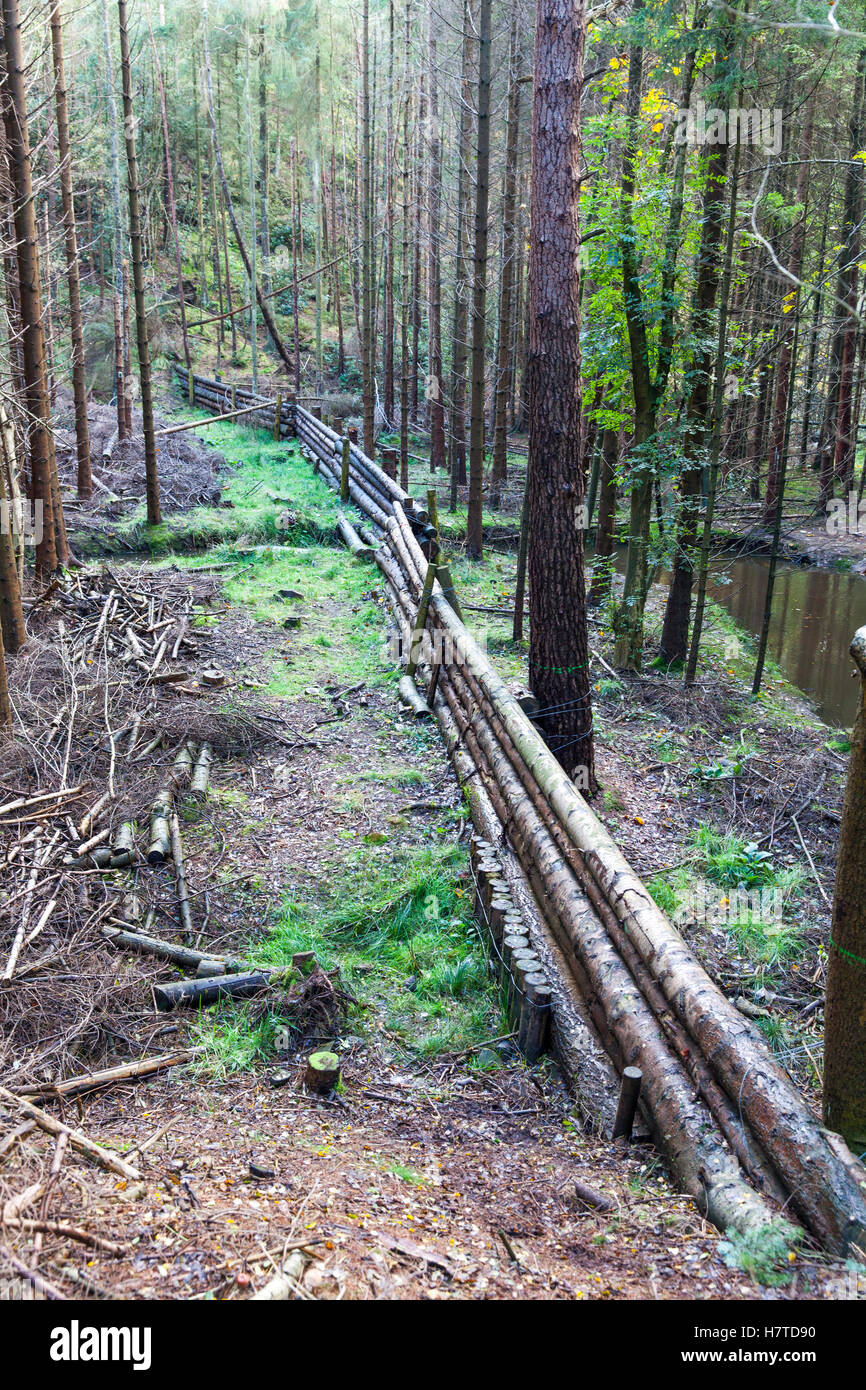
(526, 993)
(733, 1126)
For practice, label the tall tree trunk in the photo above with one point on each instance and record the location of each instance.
(558, 648)
(605, 541)
(150, 467)
(79, 385)
(12, 626)
(416, 265)
(715, 425)
(628, 622)
(839, 456)
(172, 205)
(460, 319)
(227, 199)
(434, 283)
(264, 165)
(368, 387)
(227, 269)
(795, 269)
(675, 629)
(509, 202)
(251, 193)
(120, 353)
(296, 218)
(405, 269)
(474, 521)
(40, 437)
(845, 1016)
(388, 327)
(341, 346)
(317, 198)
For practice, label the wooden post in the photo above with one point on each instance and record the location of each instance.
(316, 412)
(845, 1009)
(421, 620)
(234, 398)
(344, 472)
(191, 387)
(293, 419)
(278, 417)
(627, 1107)
(534, 1017)
(352, 433)
(449, 593)
(433, 509)
(389, 463)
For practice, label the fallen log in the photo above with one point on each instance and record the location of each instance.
(285, 1284)
(192, 993)
(413, 699)
(183, 907)
(730, 1122)
(201, 773)
(183, 956)
(356, 546)
(160, 838)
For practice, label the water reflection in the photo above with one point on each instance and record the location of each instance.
(815, 614)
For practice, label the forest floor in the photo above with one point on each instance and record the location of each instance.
(443, 1167)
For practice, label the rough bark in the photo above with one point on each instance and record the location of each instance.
(474, 522)
(845, 1015)
(558, 649)
(460, 319)
(40, 436)
(150, 465)
(504, 358)
(79, 385)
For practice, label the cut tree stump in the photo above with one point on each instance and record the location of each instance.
(323, 1072)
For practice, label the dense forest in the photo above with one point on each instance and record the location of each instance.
(431, 566)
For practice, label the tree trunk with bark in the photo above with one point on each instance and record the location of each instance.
(845, 1013)
(79, 385)
(434, 279)
(474, 522)
(150, 465)
(460, 319)
(40, 434)
(504, 360)
(558, 647)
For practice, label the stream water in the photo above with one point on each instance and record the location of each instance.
(815, 614)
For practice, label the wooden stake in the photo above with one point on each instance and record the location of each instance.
(344, 475)
(421, 620)
(627, 1107)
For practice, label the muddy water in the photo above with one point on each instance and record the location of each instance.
(815, 614)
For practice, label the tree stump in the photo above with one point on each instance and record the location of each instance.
(323, 1072)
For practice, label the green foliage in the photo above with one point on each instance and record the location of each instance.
(730, 861)
(765, 1252)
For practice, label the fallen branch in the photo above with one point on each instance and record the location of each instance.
(79, 1141)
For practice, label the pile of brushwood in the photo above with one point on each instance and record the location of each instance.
(118, 718)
